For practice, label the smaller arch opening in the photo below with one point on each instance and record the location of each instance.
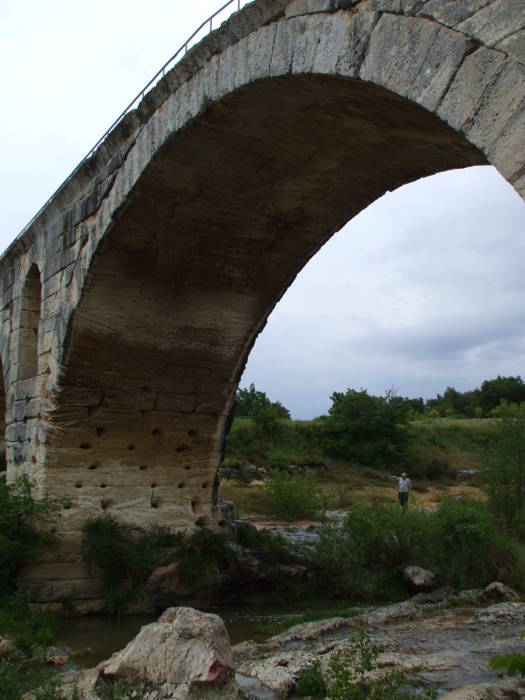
(29, 325)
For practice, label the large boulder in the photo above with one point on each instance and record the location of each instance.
(499, 591)
(418, 579)
(185, 655)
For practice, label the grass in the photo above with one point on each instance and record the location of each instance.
(441, 448)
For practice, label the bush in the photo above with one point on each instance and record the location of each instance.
(505, 468)
(366, 428)
(203, 556)
(471, 550)
(125, 555)
(20, 542)
(311, 682)
(348, 675)
(293, 496)
(364, 558)
(268, 547)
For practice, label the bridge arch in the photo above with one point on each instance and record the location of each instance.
(243, 161)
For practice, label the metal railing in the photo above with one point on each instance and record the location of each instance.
(136, 100)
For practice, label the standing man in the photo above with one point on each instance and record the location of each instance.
(403, 484)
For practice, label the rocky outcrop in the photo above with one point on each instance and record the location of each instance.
(186, 655)
(446, 648)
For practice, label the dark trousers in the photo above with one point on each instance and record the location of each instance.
(402, 497)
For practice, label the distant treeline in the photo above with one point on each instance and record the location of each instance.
(483, 402)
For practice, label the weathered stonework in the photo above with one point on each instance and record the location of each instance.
(160, 259)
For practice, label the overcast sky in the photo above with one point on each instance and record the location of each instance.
(422, 290)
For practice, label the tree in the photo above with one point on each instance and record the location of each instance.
(250, 403)
(505, 467)
(494, 391)
(366, 428)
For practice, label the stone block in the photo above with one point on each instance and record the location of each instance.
(414, 58)
(519, 186)
(282, 55)
(451, 12)
(514, 46)
(310, 7)
(497, 105)
(405, 7)
(469, 84)
(495, 22)
(508, 151)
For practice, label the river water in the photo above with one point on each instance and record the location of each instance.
(102, 635)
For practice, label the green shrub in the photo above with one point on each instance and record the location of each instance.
(470, 548)
(366, 429)
(27, 629)
(364, 558)
(268, 546)
(127, 556)
(505, 469)
(513, 664)
(204, 556)
(20, 542)
(293, 496)
(311, 682)
(18, 677)
(348, 675)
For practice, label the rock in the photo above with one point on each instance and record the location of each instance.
(473, 596)
(57, 656)
(228, 510)
(502, 613)
(507, 690)
(165, 584)
(466, 474)
(499, 591)
(310, 468)
(6, 645)
(391, 613)
(418, 579)
(185, 655)
(437, 597)
(248, 567)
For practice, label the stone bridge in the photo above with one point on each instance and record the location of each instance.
(130, 305)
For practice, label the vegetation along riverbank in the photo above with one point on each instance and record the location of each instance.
(314, 518)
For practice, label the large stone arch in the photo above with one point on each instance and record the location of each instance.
(240, 165)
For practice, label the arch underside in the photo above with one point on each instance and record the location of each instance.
(226, 214)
